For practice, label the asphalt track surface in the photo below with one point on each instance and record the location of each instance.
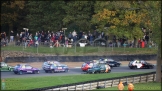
(72, 71)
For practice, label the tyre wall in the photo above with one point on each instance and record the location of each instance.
(79, 58)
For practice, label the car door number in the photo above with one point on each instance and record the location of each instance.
(29, 71)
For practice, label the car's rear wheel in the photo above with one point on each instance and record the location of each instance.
(66, 70)
(20, 72)
(117, 65)
(135, 67)
(150, 67)
(15, 72)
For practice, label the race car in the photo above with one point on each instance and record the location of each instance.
(6, 67)
(47, 63)
(25, 68)
(86, 65)
(139, 64)
(113, 63)
(99, 68)
(52, 68)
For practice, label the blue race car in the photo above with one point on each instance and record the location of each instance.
(54, 67)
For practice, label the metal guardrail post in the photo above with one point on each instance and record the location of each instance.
(140, 79)
(153, 77)
(146, 78)
(75, 87)
(112, 83)
(105, 84)
(133, 79)
(90, 86)
(83, 87)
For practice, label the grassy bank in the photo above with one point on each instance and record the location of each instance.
(39, 82)
(75, 51)
(139, 86)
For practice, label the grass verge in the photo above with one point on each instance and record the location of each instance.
(39, 82)
(78, 51)
(139, 86)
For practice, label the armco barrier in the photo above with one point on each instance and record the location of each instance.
(102, 83)
(79, 58)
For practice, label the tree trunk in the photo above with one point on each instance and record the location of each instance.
(158, 64)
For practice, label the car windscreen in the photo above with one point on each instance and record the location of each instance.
(17, 66)
(84, 64)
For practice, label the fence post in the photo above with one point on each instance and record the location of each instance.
(75, 87)
(83, 87)
(105, 84)
(133, 79)
(140, 79)
(153, 77)
(146, 78)
(90, 86)
(112, 83)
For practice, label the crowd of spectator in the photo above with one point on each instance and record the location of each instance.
(56, 39)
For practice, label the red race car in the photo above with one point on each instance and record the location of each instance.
(87, 65)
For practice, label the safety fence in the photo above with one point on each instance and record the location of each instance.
(102, 83)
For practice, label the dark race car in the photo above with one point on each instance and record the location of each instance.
(139, 64)
(52, 68)
(99, 68)
(113, 63)
(25, 68)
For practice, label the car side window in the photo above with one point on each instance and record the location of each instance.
(28, 67)
(3, 64)
(23, 66)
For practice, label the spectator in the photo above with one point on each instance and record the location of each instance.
(18, 39)
(11, 36)
(70, 36)
(147, 39)
(91, 39)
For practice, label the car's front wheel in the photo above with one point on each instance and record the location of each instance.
(46, 71)
(109, 71)
(52, 71)
(20, 72)
(15, 72)
(93, 72)
(11, 69)
(36, 72)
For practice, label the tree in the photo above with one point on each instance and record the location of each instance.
(78, 13)
(127, 17)
(10, 12)
(122, 18)
(154, 8)
(45, 15)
